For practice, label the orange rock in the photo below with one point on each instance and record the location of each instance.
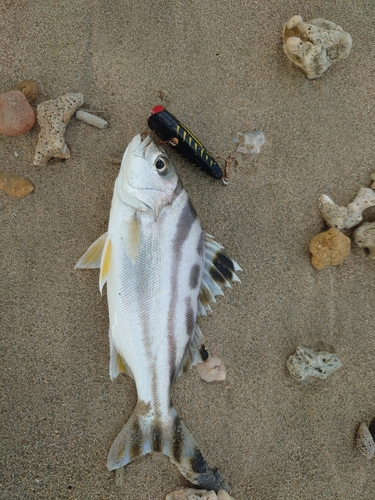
(329, 248)
(15, 186)
(16, 115)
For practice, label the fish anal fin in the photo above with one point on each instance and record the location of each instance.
(105, 263)
(117, 364)
(92, 257)
(144, 433)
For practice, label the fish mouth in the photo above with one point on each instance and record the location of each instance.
(141, 149)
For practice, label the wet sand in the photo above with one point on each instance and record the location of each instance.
(220, 68)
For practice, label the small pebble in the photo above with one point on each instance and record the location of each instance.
(30, 89)
(16, 115)
(15, 186)
(211, 370)
(249, 142)
(365, 441)
(16, 155)
(329, 248)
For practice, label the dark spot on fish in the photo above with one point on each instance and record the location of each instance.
(227, 273)
(157, 438)
(136, 440)
(203, 352)
(186, 220)
(194, 276)
(198, 463)
(190, 318)
(225, 260)
(200, 248)
(178, 438)
(217, 276)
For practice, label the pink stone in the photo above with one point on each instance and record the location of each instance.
(16, 115)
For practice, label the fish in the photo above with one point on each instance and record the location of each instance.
(162, 272)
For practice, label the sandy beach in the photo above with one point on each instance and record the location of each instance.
(220, 68)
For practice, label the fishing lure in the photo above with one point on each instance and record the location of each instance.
(171, 130)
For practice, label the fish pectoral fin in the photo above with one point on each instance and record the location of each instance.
(219, 270)
(105, 263)
(143, 434)
(92, 257)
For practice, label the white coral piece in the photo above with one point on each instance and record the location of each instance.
(53, 117)
(315, 45)
(364, 237)
(306, 362)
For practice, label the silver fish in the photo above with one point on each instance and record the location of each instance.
(162, 272)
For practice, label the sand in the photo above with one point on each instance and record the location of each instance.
(220, 68)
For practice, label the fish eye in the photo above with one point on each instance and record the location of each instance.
(162, 165)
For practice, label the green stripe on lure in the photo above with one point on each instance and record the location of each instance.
(162, 273)
(171, 130)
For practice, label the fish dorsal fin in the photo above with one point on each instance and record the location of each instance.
(192, 354)
(105, 263)
(219, 270)
(92, 257)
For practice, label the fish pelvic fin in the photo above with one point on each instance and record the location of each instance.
(92, 257)
(144, 433)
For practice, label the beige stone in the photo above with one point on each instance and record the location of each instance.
(53, 117)
(211, 370)
(329, 248)
(15, 186)
(16, 115)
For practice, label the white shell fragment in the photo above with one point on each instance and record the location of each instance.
(306, 362)
(193, 494)
(364, 237)
(365, 441)
(211, 370)
(249, 142)
(315, 45)
(53, 117)
(90, 119)
(346, 217)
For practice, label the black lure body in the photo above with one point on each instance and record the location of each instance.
(171, 130)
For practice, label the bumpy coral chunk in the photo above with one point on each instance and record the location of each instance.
(315, 45)
(193, 494)
(15, 186)
(16, 115)
(364, 237)
(308, 363)
(53, 117)
(329, 248)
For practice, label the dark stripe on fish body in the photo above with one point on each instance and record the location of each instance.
(157, 438)
(136, 440)
(184, 225)
(200, 248)
(194, 276)
(178, 439)
(190, 318)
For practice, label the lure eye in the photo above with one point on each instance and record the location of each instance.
(162, 165)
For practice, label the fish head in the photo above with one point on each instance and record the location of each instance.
(147, 180)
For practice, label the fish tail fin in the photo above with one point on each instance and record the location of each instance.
(143, 434)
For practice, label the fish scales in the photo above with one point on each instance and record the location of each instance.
(162, 273)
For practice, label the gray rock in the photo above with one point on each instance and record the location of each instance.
(308, 363)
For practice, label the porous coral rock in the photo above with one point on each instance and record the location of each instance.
(53, 117)
(329, 248)
(211, 370)
(30, 90)
(373, 179)
(308, 363)
(15, 186)
(364, 237)
(333, 214)
(315, 45)
(16, 115)
(364, 199)
(365, 441)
